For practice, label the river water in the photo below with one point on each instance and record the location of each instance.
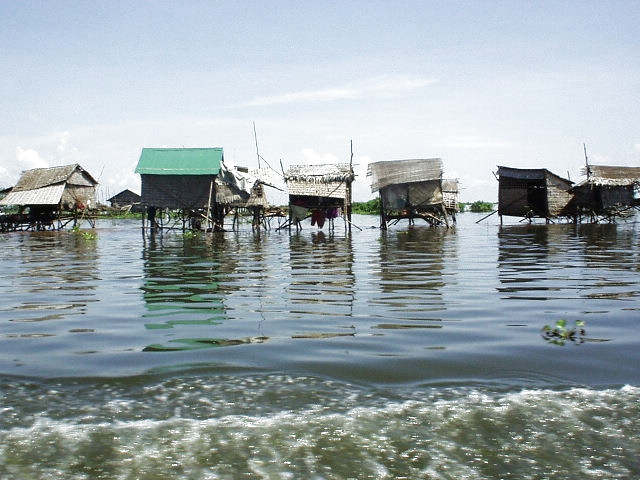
(412, 353)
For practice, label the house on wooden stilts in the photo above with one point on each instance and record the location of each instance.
(533, 193)
(321, 192)
(126, 200)
(450, 191)
(241, 191)
(409, 189)
(51, 198)
(608, 192)
(179, 188)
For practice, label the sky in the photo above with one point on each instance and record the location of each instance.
(525, 84)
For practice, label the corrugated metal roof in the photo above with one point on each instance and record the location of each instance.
(50, 195)
(395, 172)
(180, 161)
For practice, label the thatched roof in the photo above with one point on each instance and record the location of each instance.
(450, 185)
(46, 186)
(45, 177)
(327, 173)
(611, 175)
(395, 172)
(238, 188)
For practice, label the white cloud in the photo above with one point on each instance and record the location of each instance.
(63, 142)
(311, 157)
(29, 158)
(637, 147)
(380, 87)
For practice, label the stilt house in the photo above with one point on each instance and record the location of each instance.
(50, 198)
(180, 182)
(409, 189)
(238, 189)
(450, 196)
(533, 193)
(322, 192)
(607, 191)
(126, 199)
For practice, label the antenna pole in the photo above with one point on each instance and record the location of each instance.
(255, 135)
(586, 159)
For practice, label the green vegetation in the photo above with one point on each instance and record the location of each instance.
(478, 206)
(372, 207)
(84, 234)
(560, 333)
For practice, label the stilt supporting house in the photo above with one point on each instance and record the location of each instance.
(410, 190)
(51, 199)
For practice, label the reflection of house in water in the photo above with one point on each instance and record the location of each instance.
(565, 262)
(411, 275)
(607, 192)
(182, 294)
(322, 192)
(57, 279)
(322, 278)
(533, 193)
(411, 189)
(50, 199)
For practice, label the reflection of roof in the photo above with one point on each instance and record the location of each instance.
(394, 172)
(180, 161)
(611, 175)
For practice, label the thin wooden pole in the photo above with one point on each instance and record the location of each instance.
(209, 207)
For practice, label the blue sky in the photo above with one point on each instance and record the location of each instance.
(476, 83)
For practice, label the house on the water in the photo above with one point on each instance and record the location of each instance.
(178, 187)
(321, 192)
(533, 193)
(126, 199)
(410, 189)
(191, 188)
(51, 198)
(450, 190)
(241, 192)
(607, 192)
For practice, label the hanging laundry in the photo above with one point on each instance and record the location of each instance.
(318, 217)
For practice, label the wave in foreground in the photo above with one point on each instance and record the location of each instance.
(278, 426)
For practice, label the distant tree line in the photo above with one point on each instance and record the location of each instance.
(372, 207)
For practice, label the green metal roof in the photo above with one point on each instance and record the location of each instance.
(180, 161)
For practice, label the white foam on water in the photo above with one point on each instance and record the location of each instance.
(437, 433)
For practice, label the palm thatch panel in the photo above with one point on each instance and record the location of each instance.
(393, 172)
(329, 181)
